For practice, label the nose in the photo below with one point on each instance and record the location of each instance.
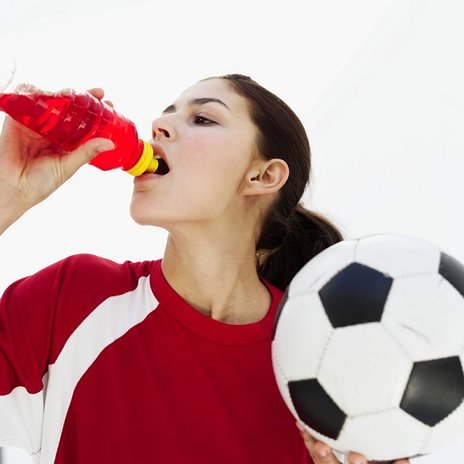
(163, 128)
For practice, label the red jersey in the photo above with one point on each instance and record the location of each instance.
(105, 363)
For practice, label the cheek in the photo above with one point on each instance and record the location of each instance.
(219, 159)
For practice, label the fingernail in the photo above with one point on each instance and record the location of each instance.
(322, 453)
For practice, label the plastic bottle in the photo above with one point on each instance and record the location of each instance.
(68, 119)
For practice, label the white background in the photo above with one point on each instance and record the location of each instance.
(378, 85)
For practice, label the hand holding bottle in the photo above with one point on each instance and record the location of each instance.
(31, 168)
(69, 118)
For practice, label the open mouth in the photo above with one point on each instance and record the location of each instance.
(163, 167)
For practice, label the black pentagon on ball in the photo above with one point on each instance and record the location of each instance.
(316, 408)
(434, 390)
(355, 295)
(453, 271)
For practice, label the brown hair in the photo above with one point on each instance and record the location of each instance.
(291, 235)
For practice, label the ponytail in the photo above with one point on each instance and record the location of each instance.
(288, 243)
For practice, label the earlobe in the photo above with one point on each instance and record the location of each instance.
(268, 177)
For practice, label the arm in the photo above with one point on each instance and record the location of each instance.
(22, 368)
(31, 168)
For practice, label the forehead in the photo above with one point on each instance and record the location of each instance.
(215, 88)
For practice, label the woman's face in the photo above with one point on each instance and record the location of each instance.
(207, 139)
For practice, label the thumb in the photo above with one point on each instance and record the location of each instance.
(85, 153)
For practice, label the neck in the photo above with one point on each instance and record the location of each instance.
(215, 272)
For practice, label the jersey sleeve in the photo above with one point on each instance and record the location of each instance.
(27, 310)
(37, 316)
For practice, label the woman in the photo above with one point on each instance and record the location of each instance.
(166, 361)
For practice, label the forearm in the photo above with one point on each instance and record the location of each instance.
(10, 209)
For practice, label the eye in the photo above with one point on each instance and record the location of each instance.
(202, 121)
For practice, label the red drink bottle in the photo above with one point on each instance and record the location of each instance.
(68, 119)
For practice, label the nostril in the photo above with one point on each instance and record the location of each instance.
(164, 132)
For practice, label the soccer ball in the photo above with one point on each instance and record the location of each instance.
(368, 347)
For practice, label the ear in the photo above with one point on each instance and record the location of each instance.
(266, 176)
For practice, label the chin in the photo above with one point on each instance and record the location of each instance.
(142, 216)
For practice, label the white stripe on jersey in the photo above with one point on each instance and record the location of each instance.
(21, 424)
(108, 322)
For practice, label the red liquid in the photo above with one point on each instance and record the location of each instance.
(69, 119)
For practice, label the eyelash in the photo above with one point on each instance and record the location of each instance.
(202, 121)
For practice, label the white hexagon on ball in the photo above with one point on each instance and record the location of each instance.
(398, 255)
(426, 315)
(364, 380)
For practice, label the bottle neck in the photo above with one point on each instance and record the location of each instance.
(146, 163)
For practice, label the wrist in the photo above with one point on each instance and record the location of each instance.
(11, 209)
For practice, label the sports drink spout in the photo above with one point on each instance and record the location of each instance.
(68, 119)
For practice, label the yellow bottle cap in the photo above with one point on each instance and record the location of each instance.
(153, 166)
(147, 162)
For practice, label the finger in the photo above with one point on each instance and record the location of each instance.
(356, 458)
(398, 461)
(320, 452)
(82, 155)
(97, 92)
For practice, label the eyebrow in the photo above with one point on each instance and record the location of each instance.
(196, 102)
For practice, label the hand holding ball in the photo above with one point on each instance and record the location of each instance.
(368, 349)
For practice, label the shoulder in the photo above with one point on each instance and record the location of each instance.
(80, 277)
(55, 301)
(88, 272)
(89, 265)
